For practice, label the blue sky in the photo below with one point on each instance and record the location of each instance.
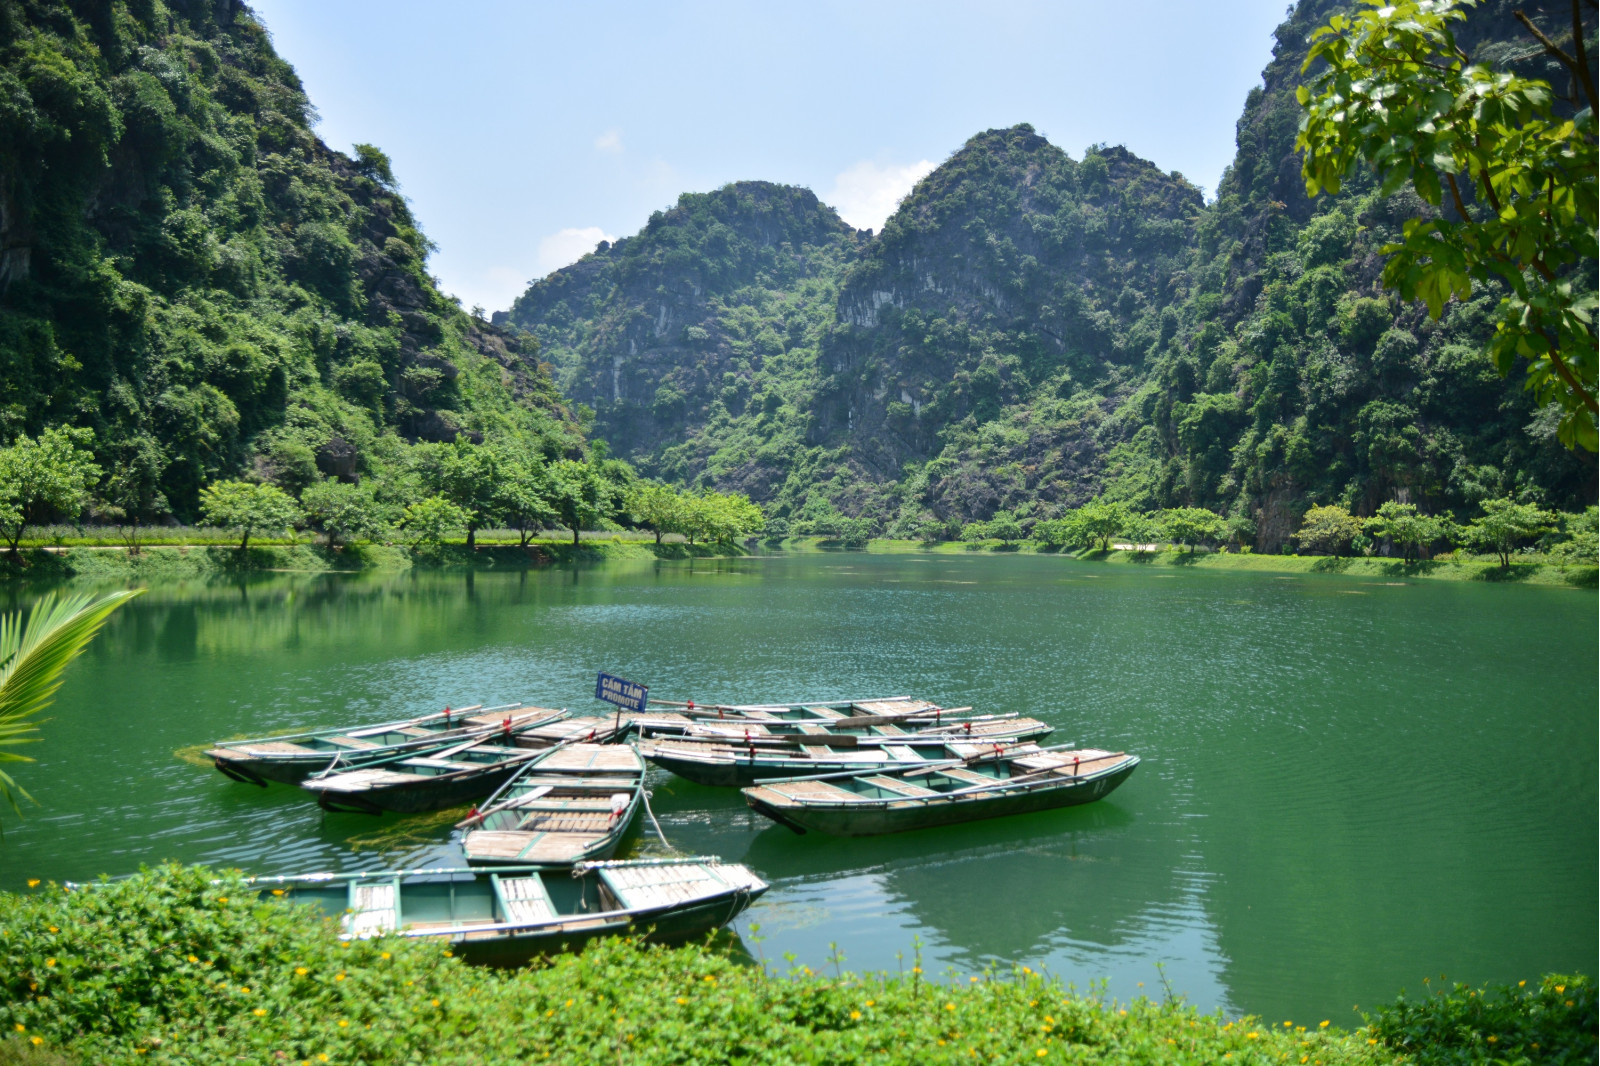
(524, 132)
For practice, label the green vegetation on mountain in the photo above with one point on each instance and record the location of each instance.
(204, 290)
(1031, 331)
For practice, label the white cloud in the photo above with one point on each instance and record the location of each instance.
(568, 246)
(866, 194)
(610, 141)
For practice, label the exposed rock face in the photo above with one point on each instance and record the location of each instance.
(643, 331)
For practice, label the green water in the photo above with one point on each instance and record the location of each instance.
(1346, 785)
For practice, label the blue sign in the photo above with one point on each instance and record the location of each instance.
(624, 694)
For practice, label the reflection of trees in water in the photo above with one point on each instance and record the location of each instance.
(1009, 887)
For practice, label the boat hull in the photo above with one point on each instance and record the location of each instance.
(674, 927)
(900, 816)
(741, 772)
(425, 794)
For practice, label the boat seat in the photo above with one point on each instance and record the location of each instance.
(814, 730)
(352, 742)
(971, 777)
(904, 788)
(524, 899)
(891, 731)
(902, 754)
(826, 712)
(374, 909)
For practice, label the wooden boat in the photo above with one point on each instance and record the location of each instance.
(859, 731)
(569, 805)
(1017, 780)
(838, 714)
(507, 916)
(436, 778)
(744, 762)
(290, 759)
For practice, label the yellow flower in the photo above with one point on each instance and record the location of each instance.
(855, 1016)
(53, 929)
(1322, 1024)
(343, 1023)
(1521, 984)
(1123, 1013)
(260, 1012)
(1041, 1053)
(383, 955)
(916, 969)
(1252, 1035)
(301, 971)
(222, 899)
(33, 882)
(1561, 988)
(870, 1002)
(569, 1002)
(709, 977)
(49, 962)
(339, 977)
(193, 959)
(322, 1056)
(277, 892)
(949, 1006)
(1287, 1024)
(941, 1043)
(245, 990)
(435, 1003)
(1371, 1040)
(1026, 970)
(681, 1002)
(21, 1028)
(38, 1040)
(1493, 1039)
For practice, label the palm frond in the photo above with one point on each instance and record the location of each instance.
(33, 655)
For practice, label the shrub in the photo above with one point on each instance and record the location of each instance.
(1553, 1022)
(170, 967)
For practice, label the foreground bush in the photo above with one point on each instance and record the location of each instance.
(167, 967)
(1553, 1022)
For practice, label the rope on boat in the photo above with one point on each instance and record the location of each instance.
(645, 794)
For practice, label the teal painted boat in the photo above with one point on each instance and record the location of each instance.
(570, 805)
(446, 777)
(291, 759)
(506, 917)
(1016, 780)
(835, 714)
(736, 763)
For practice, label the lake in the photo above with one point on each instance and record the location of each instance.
(1347, 784)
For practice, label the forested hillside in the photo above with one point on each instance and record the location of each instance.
(189, 273)
(1031, 330)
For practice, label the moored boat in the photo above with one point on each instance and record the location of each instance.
(506, 916)
(292, 758)
(709, 761)
(836, 714)
(1016, 780)
(571, 804)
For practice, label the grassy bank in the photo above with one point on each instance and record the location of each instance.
(167, 967)
(194, 560)
(1525, 570)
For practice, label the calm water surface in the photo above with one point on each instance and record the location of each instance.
(1346, 784)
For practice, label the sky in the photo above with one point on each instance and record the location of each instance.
(524, 132)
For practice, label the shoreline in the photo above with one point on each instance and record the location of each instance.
(52, 563)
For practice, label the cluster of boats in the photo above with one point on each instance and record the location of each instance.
(554, 794)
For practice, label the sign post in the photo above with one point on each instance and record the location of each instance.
(625, 694)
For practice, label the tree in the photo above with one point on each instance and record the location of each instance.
(1402, 524)
(1582, 543)
(32, 658)
(1399, 95)
(248, 507)
(1055, 532)
(1141, 529)
(522, 496)
(431, 520)
(1099, 520)
(1193, 525)
(1505, 524)
(343, 511)
(39, 476)
(577, 495)
(131, 495)
(467, 475)
(1005, 528)
(974, 532)
(657, 507)
(1327, 529)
